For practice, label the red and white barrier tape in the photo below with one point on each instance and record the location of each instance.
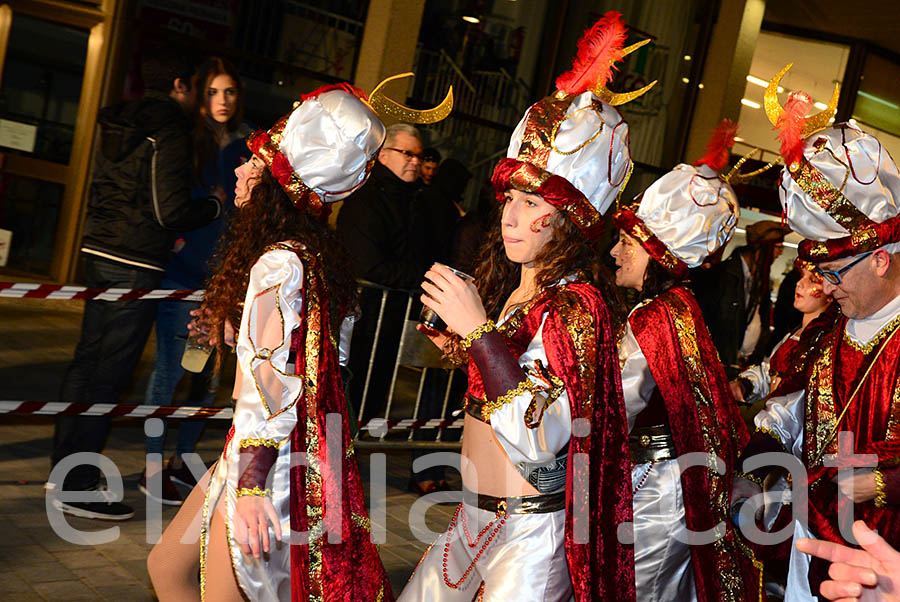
(55, 408)
(33, 290)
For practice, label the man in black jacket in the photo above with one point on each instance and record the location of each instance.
(139, 200)
(384, 232)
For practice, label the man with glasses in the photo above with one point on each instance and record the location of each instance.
(385, 234)
(841, 191)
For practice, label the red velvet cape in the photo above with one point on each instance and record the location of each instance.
(873, 417)
(581, 350)
(349, 571)
(703, 418)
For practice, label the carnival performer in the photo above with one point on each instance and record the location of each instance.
(787, 364)
(675, 390)
(840, 190)
(543, 384)
(268, 524)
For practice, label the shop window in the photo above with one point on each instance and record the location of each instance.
(877, 106)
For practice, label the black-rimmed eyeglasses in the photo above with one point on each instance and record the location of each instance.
(408, 154)
(834, 276)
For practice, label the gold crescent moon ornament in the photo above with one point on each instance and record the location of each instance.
(619, 98)
(392, 111)
(813, 123)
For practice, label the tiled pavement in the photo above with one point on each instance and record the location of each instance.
(36, 340)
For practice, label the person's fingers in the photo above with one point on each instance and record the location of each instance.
(240, 533)
(433, 295)
(264, 531)
(833, 552)
(841, 571)
(253, 537)
(448, 275)
(873, 543)
(841, 590)
(439, 277)
(273, 518)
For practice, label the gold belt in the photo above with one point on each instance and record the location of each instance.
(526, 504)
(651, 444)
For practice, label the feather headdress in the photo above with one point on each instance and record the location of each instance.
(718, 148)
(598, 50)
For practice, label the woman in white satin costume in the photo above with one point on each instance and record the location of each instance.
(536, 332)
(283, 280)
(675, 391)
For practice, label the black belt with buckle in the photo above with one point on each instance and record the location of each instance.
(651, 444)
(526, 504)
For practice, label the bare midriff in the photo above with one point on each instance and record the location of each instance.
(485, 467)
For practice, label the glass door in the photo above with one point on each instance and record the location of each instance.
(52, 56)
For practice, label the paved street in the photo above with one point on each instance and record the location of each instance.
(36, 340)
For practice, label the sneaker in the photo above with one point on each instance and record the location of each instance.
(182, 475)
(170, 495)
(108, 509)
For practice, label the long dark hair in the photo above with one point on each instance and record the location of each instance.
(759, 259)
(267, 218)
(205, 143)
(657, 280)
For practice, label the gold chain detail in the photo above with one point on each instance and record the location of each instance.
(258, 443)
(256, 491)
(477, 334)
(490, 407)
(880, 495)
(750, 477)
(868, 347)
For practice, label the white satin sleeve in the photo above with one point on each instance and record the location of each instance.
(784, 417)
(550, 429)
(759, 377)
(637, 381)
(263, 349)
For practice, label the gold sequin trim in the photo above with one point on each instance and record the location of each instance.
(361, 521)
(772, 434)
(870, 346)
(836, 205)
(880, 495)
(256, 491)
(490, 407)
(477, 334)
(259, 443)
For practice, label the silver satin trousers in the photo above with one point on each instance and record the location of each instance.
(524, 562)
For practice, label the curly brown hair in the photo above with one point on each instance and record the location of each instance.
(568, 253)
(269, 217)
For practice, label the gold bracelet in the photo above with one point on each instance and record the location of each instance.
(880, 495)
(258, 443)
(256, 491)
(477, 334)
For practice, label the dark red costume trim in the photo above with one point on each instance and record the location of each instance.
(326, 493)
(702, 418)
(877, 235)
(255, 464)
(581, 350)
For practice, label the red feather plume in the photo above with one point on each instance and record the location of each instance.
(718, 148)
(598, 49)
(791, 124)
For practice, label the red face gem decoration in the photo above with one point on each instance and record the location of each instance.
(541, 222)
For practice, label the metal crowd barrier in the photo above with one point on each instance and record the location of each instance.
(416, 353)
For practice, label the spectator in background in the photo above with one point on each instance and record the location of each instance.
(471, 230)
(384, 232)
(441, 204)
(139, 200)
(431, 160)
(220, 146)
(734, 296)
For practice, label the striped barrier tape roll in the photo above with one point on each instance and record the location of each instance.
(55, 408)
(33, 290)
